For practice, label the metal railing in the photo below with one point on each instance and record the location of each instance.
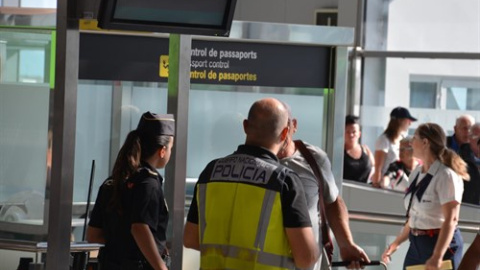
(391, 219)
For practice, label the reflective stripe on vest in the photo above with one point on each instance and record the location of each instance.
(248, 255)
(201, 210)
(251, 220)
(267, 206)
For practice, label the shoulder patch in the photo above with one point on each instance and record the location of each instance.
(149, 171)
(108, 182)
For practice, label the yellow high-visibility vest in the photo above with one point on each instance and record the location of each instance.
(241, 227)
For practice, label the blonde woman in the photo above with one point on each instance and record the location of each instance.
(432, 202)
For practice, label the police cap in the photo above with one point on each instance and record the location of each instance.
(152, 124)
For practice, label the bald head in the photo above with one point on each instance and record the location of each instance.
(465, 119)
(266, 123)
(462, 128)
(475, 139)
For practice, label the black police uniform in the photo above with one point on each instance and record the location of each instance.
(142, 202)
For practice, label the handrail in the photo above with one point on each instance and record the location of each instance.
(33, 246)
(391, 219)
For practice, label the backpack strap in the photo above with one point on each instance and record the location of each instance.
(326, 239)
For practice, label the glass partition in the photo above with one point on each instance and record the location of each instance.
(25, 106)
(216, 115)
(23, 144)
(108, 110)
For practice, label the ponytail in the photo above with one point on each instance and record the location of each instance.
(126, 164)
(393, 130)
(454, 162)
(436, 136)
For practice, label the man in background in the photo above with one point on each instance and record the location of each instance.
(474, 139)
(396, 176)
(460, 143)
(336, 210)
(461, 135)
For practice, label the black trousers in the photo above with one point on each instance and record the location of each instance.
(126, 265)
(421, 249)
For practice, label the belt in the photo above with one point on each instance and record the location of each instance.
(430, 232)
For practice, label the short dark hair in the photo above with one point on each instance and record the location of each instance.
(351, 119)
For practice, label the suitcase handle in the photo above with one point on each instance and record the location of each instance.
(347, 263)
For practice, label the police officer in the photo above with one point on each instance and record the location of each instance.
(433, 203)
(130, 215)
(248, 211)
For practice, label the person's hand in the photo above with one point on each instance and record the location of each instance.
(380, 183)
(386, 256)
(385, 182)
(376, 184)
(433, 263)
(355, 255)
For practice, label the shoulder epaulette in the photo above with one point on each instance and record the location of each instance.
(149, 171)
(108, 182)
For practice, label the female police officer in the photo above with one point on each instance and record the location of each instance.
(432, 202)
(130, 215)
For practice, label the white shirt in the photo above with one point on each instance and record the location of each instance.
(391, 149)
(446, 186)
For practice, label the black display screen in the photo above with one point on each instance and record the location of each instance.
(198, 17)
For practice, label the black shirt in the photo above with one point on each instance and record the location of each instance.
(471, 193)
(356, 169)
(111, 223)
(142, 202)
(284, 180)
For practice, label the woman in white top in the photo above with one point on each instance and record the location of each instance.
(387, 146)
(433, 203)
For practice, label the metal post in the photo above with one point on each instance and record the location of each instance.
(336, 142)
(176, 171)
(63, 146)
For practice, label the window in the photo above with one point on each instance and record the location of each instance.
(445, 93)
(462, 98)
(423, 94)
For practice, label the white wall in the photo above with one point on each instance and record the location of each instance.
(434, 25)
(430, 25)
(422, 26)
(281, 11)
